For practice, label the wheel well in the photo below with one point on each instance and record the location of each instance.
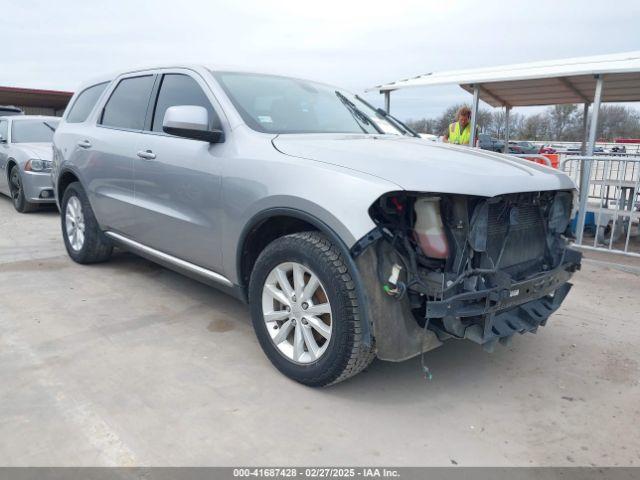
(262, 234)
(10, 164)
(65, 180)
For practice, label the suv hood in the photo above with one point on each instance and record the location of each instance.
(41, 151)
(424, 166)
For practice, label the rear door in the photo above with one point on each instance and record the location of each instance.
(110, 150)
(177, 180)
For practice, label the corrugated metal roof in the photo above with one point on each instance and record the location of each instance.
(552, 82)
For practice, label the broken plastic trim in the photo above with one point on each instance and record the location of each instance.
(369, 239)
(487, 316)
(525, 318)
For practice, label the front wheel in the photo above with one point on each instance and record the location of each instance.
(83, 238)
(20, 202)
(305, 310)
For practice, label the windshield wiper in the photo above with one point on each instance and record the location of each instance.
(357, 113)
(397, 123)
(53, 129)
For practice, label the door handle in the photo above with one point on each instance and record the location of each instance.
(84, 144)
(147, 155)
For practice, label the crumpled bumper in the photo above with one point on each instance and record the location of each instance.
(496, 314)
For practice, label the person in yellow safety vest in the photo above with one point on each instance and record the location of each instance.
(459, 132)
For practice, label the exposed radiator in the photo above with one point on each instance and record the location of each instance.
(526, 243)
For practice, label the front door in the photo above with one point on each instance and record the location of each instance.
(177, 180)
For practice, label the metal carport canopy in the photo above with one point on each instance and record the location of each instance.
(554, 82)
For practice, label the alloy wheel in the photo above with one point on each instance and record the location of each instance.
(74, 223)
(297, 312)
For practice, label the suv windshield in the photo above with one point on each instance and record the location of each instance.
(28, 131)
(274, 104)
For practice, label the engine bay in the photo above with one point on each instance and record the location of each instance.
(474, 268)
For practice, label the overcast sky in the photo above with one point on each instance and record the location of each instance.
(353, 44)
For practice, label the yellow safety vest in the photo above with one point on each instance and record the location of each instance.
(458, 137)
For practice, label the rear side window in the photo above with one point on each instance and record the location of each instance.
(127, 106)
(178, 89)
(4, 130)
(85, 102)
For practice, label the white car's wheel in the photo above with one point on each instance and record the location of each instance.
(20, 202)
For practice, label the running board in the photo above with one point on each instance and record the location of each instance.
(170, 259)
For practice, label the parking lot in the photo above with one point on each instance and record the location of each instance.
(127, 363)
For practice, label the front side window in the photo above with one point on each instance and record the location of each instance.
(179, 89)
(85, 102)
(33, 131)
(274, 104)
(127, 106)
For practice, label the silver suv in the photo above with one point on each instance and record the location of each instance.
(349, 236)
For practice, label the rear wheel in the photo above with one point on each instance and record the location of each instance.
(83, 238)
(305, 310)
(20, 203)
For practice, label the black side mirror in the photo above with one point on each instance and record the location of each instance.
(211, 136)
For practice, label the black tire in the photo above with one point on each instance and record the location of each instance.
(346, 355)
(96, 246)
(20, 203)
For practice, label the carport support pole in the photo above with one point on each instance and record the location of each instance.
(585, 171)
(507, 109)
(585, 123)
(474, 114)
(387, 101)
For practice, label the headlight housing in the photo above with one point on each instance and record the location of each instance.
(37, 165)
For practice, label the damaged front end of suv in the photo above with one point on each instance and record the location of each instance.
(451, 266)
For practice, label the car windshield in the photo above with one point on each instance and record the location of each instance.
(32, 131)
(8, 111)
(274, 104)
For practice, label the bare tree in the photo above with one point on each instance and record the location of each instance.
(561, 122)
(534, 127)
(618, 121)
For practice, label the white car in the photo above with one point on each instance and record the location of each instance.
(25, 160)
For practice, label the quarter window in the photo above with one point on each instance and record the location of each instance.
(127, 106)
(4, 130)
(177, 89)
(85, 102)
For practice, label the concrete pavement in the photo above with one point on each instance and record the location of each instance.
(127, 363)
